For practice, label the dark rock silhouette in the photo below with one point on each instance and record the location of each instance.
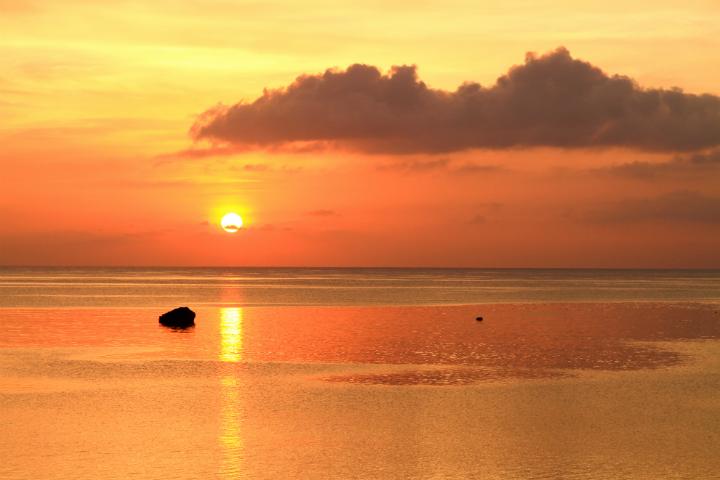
(181, 317)
(479, 319)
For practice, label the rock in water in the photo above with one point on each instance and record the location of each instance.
(181, 317)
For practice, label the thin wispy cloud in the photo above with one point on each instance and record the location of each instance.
(684, 206)
(683, 165)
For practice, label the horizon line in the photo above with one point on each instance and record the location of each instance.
(351, 267)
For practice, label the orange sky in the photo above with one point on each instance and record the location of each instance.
(99, 166)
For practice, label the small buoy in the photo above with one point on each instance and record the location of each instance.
(479, 319)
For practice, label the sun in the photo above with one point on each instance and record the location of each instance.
(231, 222)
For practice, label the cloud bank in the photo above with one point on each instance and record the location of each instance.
(552, 100)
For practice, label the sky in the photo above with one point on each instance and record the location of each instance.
(445, 134)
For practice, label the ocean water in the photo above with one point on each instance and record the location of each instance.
(135, 287)
(359, 373)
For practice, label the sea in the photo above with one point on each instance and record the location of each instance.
(359, 373)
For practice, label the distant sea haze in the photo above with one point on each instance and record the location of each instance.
(143, 287)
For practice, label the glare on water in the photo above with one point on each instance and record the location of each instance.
(231, 325)
(536, 390)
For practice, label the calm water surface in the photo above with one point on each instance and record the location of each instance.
(133, 287)
(381, 374)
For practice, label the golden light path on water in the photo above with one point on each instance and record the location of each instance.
(231, 335)
(231, 350)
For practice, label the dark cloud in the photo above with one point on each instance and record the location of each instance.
(551, 100)
(697, 164)
(680, 206)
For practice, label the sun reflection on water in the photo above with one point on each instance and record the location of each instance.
(230, 436)
(231, 338)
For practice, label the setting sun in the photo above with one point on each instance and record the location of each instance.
(465, 239)
(231, 222)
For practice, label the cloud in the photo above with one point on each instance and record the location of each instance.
(699, 163)
(253, 167)
(432, 164)
(439, 164)
(679, 206)
(478, 219)
(214, 151)
(552, 100)
(323, 213)
(471, 168)
(229, 150)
